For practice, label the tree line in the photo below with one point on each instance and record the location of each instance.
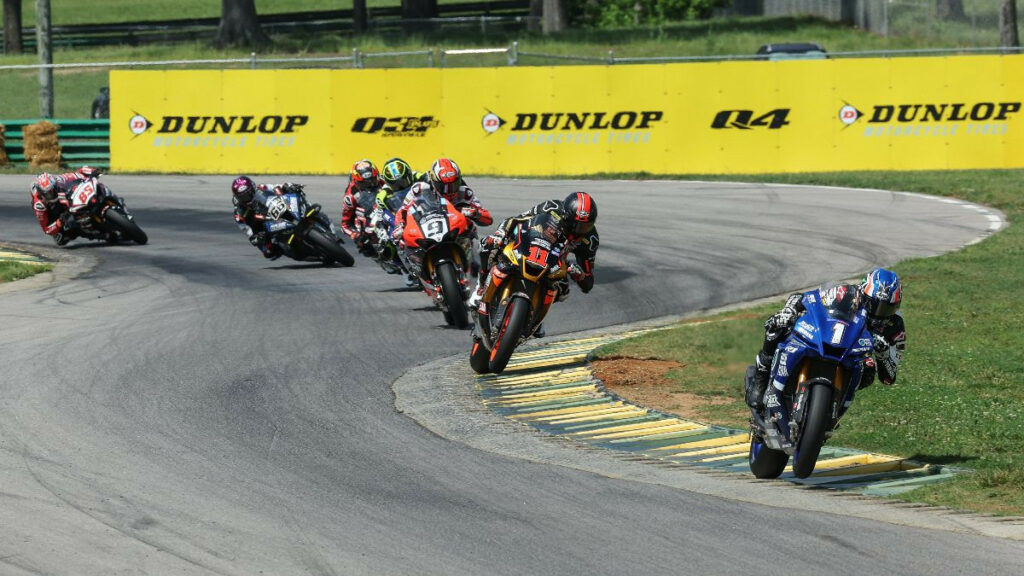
(239, 25)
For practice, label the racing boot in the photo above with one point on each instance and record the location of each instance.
(540, 332)
(777, 413)
(474, 299)
(757, 383)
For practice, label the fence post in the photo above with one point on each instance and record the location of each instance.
(611, 57)
(355, 58)
(430, 58)
(513, 54)
(252, 60)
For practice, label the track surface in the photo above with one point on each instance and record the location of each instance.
(212, 412)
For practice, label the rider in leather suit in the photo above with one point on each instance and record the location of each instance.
(881, 295)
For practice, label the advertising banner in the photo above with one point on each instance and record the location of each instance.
(696, 118)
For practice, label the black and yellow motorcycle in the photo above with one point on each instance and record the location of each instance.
(521, 292)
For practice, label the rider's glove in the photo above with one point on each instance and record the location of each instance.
(880, 344)
(470, 211)
(782, 320)
(576, 273)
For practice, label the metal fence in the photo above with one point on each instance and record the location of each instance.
(978, 24)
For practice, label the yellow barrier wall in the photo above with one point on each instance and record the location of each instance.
(722, 117)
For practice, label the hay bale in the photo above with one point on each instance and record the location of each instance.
(42, 151)
(4, 160)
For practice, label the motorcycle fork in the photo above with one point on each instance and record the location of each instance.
(816, 372)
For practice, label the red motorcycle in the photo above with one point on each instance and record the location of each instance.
(438, 242)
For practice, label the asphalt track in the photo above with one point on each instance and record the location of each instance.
(186, 407)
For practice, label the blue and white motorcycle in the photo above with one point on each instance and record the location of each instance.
(301, 229)
(820, 363)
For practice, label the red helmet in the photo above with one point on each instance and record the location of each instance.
(244, 189)
(365, 175)
(580, 213)
(46, 184)
(445, 177)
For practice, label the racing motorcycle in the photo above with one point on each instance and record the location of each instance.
(101, 214)
(516, 307)
(365, 239)
(438, 246)
(302, 230)
(382, 223)
(821, 362)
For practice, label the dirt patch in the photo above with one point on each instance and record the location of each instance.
(643, 381)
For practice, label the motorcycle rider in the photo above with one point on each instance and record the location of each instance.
(880, 297)
(398, 178)
(577, 214)
(445, 178)
(364, 179)
(50, 203)
(250, 214)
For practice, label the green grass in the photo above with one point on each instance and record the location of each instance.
(959, 399)
(10, 271)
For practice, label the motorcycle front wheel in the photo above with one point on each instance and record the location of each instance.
(330, 247)
(479, 357)
(121, 221)
(451, 291)
(812, 431)
(508, 337)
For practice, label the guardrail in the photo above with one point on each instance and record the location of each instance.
(81, 141)
(482, 14)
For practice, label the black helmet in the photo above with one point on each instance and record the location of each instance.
(580, 213)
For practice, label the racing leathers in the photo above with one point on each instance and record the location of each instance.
(52, 213)
(354, 206)
(251, 218)
(889, 341)
(584, 248)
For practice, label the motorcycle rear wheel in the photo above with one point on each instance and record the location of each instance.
(121, 221)
(508, 337)
(812, 433)
(451, 291)
(330, 247)
(765, 462)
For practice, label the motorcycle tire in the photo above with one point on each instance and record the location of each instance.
(121, 221)
(812, 432)
(330, 247)
(508, 337)
(479, 357)
(451, 291)
(765, 462)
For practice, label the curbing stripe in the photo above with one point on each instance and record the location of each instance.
(551, 388)
(6, 254)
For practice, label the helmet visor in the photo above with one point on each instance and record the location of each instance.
(881, 309)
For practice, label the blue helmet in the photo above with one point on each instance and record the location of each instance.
(883, 293)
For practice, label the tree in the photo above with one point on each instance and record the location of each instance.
(359, 16)
(1008, 24)
(12, 27)
(950, 9)
(419, 9)
(556, 16)
(239, 25)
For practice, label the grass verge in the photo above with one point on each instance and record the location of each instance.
(959, 400)
(11, 271)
